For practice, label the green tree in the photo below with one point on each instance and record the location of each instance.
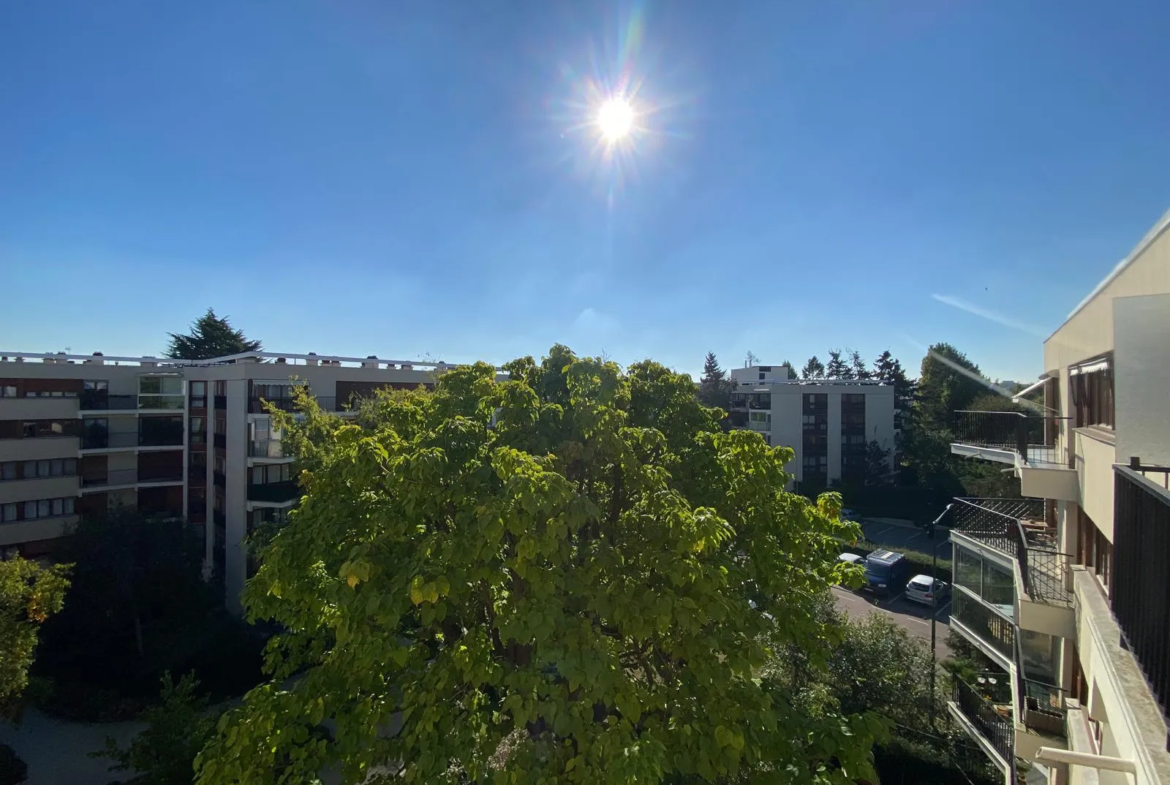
(857, 365)
(877, 465)
(791, 370)
(714, 386)
(210, 336)
(29, 595)
(813, 369)
(888, 370)
(568, 576)
(837, 367)
(163, 753)
(948, 383)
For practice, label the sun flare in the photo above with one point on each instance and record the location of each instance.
(615, 119)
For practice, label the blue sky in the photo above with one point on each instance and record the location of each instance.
(411, 179)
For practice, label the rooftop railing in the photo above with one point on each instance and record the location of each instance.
(1031, 436)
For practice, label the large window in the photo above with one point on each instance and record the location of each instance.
(48, 508)
(35, 429)
(271, 473)
(1091, 385)
(986, 579)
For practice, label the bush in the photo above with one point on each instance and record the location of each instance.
(905, 762)
(13, 770)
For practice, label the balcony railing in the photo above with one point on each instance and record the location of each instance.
(1017, 528)
(987, 625)
(273, 492)
(1141, 573)
(1031, 436)
(93, 439)
(128, 477)
(326, 402)
(1043, 707)
(992, 719)
(751, 400)
(266, 448)
(92, 400)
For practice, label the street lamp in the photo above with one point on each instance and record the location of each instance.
(934, 601)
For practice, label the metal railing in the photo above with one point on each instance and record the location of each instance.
(1043, 707)
(1031, 436)
(992, 720)
(1017, 528)
(1141, 575)
(128, 477)
(986, 624)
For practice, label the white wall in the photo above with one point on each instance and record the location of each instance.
(787, 430)
(1141, 378)
(1095, 458)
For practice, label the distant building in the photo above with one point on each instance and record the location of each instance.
(827, 422)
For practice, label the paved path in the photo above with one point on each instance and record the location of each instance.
(56, 751)
(912, 617)
(906, 537)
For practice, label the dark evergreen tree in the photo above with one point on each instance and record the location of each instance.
(714, 386)
(837, 368)
(210, 336)
(813, 369)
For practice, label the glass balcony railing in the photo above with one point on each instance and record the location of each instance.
(274, 492)
(985, 624)
(170, 402)
(94, 400)
(129, 477)
(266, 448)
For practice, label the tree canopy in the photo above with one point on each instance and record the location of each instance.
(569, 576)
(210, 336)
(813, 369)
(949, 382)
(838, 367)
(29, 594)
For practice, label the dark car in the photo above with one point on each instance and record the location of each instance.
(885, 570)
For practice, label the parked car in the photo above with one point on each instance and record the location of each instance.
(885, 570)
(851, 558)
(927, 590)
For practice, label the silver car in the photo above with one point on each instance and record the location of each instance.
(927, 590)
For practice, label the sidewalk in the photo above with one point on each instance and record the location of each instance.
(56, 751)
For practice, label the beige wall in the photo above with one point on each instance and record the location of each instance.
(28, 531)
(1095, 457)
(47, 488)
(1089, 331)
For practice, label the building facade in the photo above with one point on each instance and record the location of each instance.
(829, 423)
(170, 437)
(1067, 591)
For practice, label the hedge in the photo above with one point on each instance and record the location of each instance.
(920, 560)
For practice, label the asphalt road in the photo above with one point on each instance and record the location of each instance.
(900, 538)
(911, 616)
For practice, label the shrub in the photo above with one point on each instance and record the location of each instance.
(13, 770)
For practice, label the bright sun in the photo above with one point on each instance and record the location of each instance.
(615, 119)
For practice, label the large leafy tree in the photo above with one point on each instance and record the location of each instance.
(949, 382)
(570, 576)
(29, 594)
(210, 336)
(714, 386)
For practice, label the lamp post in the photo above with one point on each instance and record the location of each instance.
(934, 602)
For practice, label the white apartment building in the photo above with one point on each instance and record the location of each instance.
(828, 422)
(1068, 590)
(184, 438)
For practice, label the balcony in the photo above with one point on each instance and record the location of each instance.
(258, 405)
(751, 401)
(985, 711)
(100, 439)
(128, 477)
(94, 400)
(1140, 598)
(1017, 529)
(983, 626)
(267, 448)
(274, 492)
(1026, 441)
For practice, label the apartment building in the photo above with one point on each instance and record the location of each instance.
(183, 438)
(1067, 591)
(828, 422)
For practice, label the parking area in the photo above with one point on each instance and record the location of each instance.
(899, 537)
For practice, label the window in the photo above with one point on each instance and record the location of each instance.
(7, 512)
(220, 465)
(7, 391)
(8, 470)
(197, 435)
(160, 385)
(198, 389)
(220, 387)
(761, 376)
(271, 473)
(1091, 385)
(48, 508)
(96, 385)
(221, 426)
